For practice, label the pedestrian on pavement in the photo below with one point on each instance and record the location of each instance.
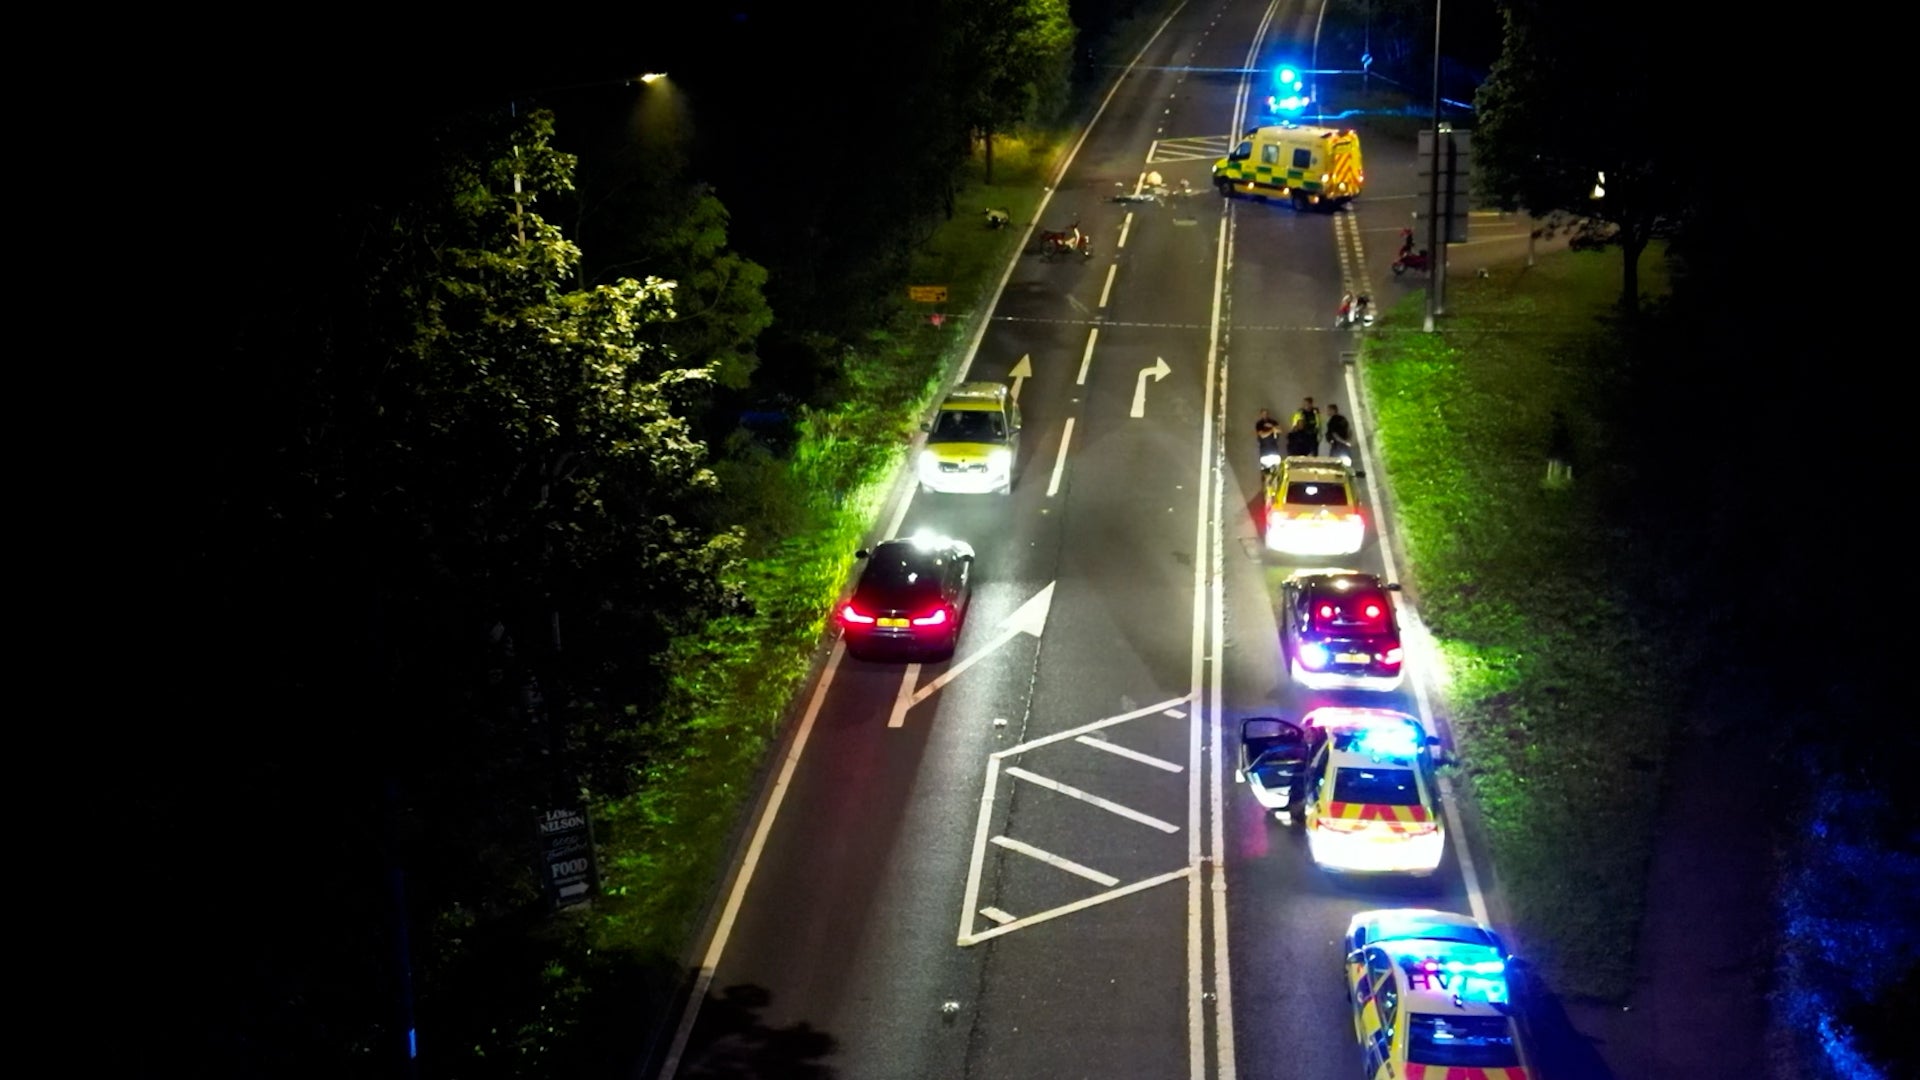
(1339, 434)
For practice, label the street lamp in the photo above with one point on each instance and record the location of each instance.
(1436, 251)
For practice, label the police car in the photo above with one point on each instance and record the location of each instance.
(972, 441)
(1371, 803)
(1432, 997)
(1312, 509)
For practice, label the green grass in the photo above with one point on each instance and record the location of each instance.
(1561, 699)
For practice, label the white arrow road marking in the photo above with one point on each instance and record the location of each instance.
(902, 700)
(1115, 748)
(1051, 859)
(1021, 372)
(1127, 812)
(1159, 371)
(1031, 618)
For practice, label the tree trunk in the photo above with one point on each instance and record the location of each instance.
(1633, 241)
(989, 134)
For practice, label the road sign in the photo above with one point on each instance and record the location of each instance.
(927, 294)
(1456, 171)
(566, 857)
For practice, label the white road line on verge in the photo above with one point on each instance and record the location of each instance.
(1175, 713)
(996, 915)
(1060, 461)
(1086, 358)
(903, 700)
(1077, 905)
(1060, 861)
(1126, 223)
(1047, 740)
(1469, 874)
(980, 827)
(1127, 752)
(717, 946)
(1107, 289)
(1091, 799)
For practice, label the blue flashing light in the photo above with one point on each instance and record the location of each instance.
(413, 1042)
(1390, 740)
(1289, 77)
(1314, 656)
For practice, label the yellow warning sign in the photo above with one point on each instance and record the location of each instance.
(927, 294)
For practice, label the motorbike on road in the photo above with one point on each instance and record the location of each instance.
(1066, 242)
(1410, 259)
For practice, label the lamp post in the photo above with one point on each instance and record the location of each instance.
(1436, 250)
(1319, 112)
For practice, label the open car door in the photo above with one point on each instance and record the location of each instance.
(1273, 753)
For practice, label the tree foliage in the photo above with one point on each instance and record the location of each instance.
(1581, 96)
(1011, 60)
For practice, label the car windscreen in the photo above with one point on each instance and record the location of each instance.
(901, 575)
(1474, 1042)
(1376, 787)
(968, 425)
(1316, 493)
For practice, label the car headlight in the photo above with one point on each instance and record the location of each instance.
(1000, 460)
(1314, 656)
(929, 463)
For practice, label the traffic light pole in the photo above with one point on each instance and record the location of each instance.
(1436, 246)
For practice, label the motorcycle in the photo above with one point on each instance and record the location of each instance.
(1066, 242)
(1354, 311)
(1409, 259)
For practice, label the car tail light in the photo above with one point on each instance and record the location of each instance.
(936, 617)
(851, 614)
(1372, 611)
(1393, 655)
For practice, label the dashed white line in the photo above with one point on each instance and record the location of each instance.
(1125, 752)
(1051, 859)
(1106, 289)
(1110, 807)
(1060, 462)
(1126, 223)
(1086, 358)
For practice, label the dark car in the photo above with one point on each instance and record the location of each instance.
(1339, 629)
(911, 599)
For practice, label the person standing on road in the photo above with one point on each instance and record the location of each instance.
(1266, 433)
(1308, 419)
(1339, 434)
(1301, 442)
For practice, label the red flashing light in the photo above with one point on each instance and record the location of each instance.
(1326, 611)
(1373, 611)
(851, 614)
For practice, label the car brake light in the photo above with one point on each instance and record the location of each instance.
(1393, 655)
(1326, 611)
(937, 617)
(1373, 611)
(852, 614)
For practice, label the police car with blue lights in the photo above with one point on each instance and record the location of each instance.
(1370, 799)
(1433, 997)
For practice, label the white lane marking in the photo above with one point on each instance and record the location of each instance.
(1126, 223)
(1127, 752)
(1086, 358)
(717, 946)
(1388, 536)
(1107, 289)
(1060, 460)
(1077, 905)
(1030, 618)
(903, 700)
(1175, 713)
(1060, 861)
(979, 851)
(1216, 837)
(1057, 736)
(996, 915)
(1091, 799)
(1158, 371)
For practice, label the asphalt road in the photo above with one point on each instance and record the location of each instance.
(1033, 860)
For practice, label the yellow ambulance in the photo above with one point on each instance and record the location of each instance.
(1310, 165)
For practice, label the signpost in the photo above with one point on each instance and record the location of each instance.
(927, 294)
(566, 857)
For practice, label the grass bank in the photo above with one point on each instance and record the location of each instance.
(1560, 693)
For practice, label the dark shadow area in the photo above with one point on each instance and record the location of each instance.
(1559, 1050)
(731, 1041)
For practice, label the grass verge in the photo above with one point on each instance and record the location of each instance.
(1559, 694)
